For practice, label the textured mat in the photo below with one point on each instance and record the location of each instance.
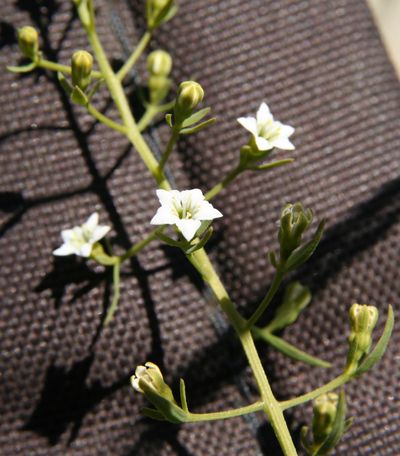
(64, 382)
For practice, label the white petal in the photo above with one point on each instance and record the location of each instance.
(65, 249)
(249, 123)
(263, 114)
(283, 143)
(66, 235)
(287, 130)
(207, 212)
(99, 232)
(191, 198)
(140, 370)
(92, 222)
(188, 228)
(85, 250)
(166, 196)
(164, 216)
(263, 144)
(135, 384)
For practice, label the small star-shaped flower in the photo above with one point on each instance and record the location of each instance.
(79, 240)
(268, 133)
(187, 210)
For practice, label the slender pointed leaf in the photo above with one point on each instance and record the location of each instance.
(196, 117)
(23, 68)
(203, 241)
(275, 164)
(195, 129)
(182, 390)
(289, 349)
(152, 413)
(379, 349)
(64, 83)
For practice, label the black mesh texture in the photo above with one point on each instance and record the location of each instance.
(64, 382)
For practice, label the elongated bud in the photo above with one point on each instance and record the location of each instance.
(363, 319)
(325, 407)
(28, 40)
(190, 94)
(158, 12)
(293, 223)
(159, 63)
(81, 68)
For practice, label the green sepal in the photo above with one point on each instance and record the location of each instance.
(153, 414)
(196, 128)
(182, 391)
(295, 299)
(79, 97)
(338, 428)
(376, 354)
(98, 254)
(305, 440)
(304, 252)
(288, 349)
(170, 411)
(273, 260)
(94, 89)
(169, 241)
(64, 83)
(168, 119)
(203, 241)
(196, 117)
(23, 68)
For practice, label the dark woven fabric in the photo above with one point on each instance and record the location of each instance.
(64, 381)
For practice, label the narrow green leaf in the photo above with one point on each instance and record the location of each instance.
(276, 164)
(379, 349)
(79, 97)
(337, 428)
(64, 83)
(288, 349)
(196, 117)
(23, 68)
(303, 253)
(272, 259)
(169, 241)
(195, 129)
(152, 413)
(182, 390)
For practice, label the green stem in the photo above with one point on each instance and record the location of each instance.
(267, 300)
(148, 116)
(196, 417)
(124, 70)
(116, 292)
(105, 120)
(136, 248)
(224, 183)
(53, 66)
(168, 149)
(333, 384)
(271, 407)
(132, 132)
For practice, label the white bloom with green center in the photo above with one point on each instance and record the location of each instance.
(268, 133)
(187, 210)
(79, 240)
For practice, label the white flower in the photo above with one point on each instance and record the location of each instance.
(187, 210)
(268, 133)
(80, 239)
(150, 373)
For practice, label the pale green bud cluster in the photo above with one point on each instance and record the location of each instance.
(190, 95)
(363, 319)
(159, 65)
(325, 407)
(28, 41)
(81, 69)
(294, 222)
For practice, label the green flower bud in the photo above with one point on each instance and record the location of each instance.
(28, 40)
(159, 11)
(150, 375)
(81, 68)
(190, 94)
(293, 223)
(363, 319)
(159, 63)
(158, 88)
(325, 408)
